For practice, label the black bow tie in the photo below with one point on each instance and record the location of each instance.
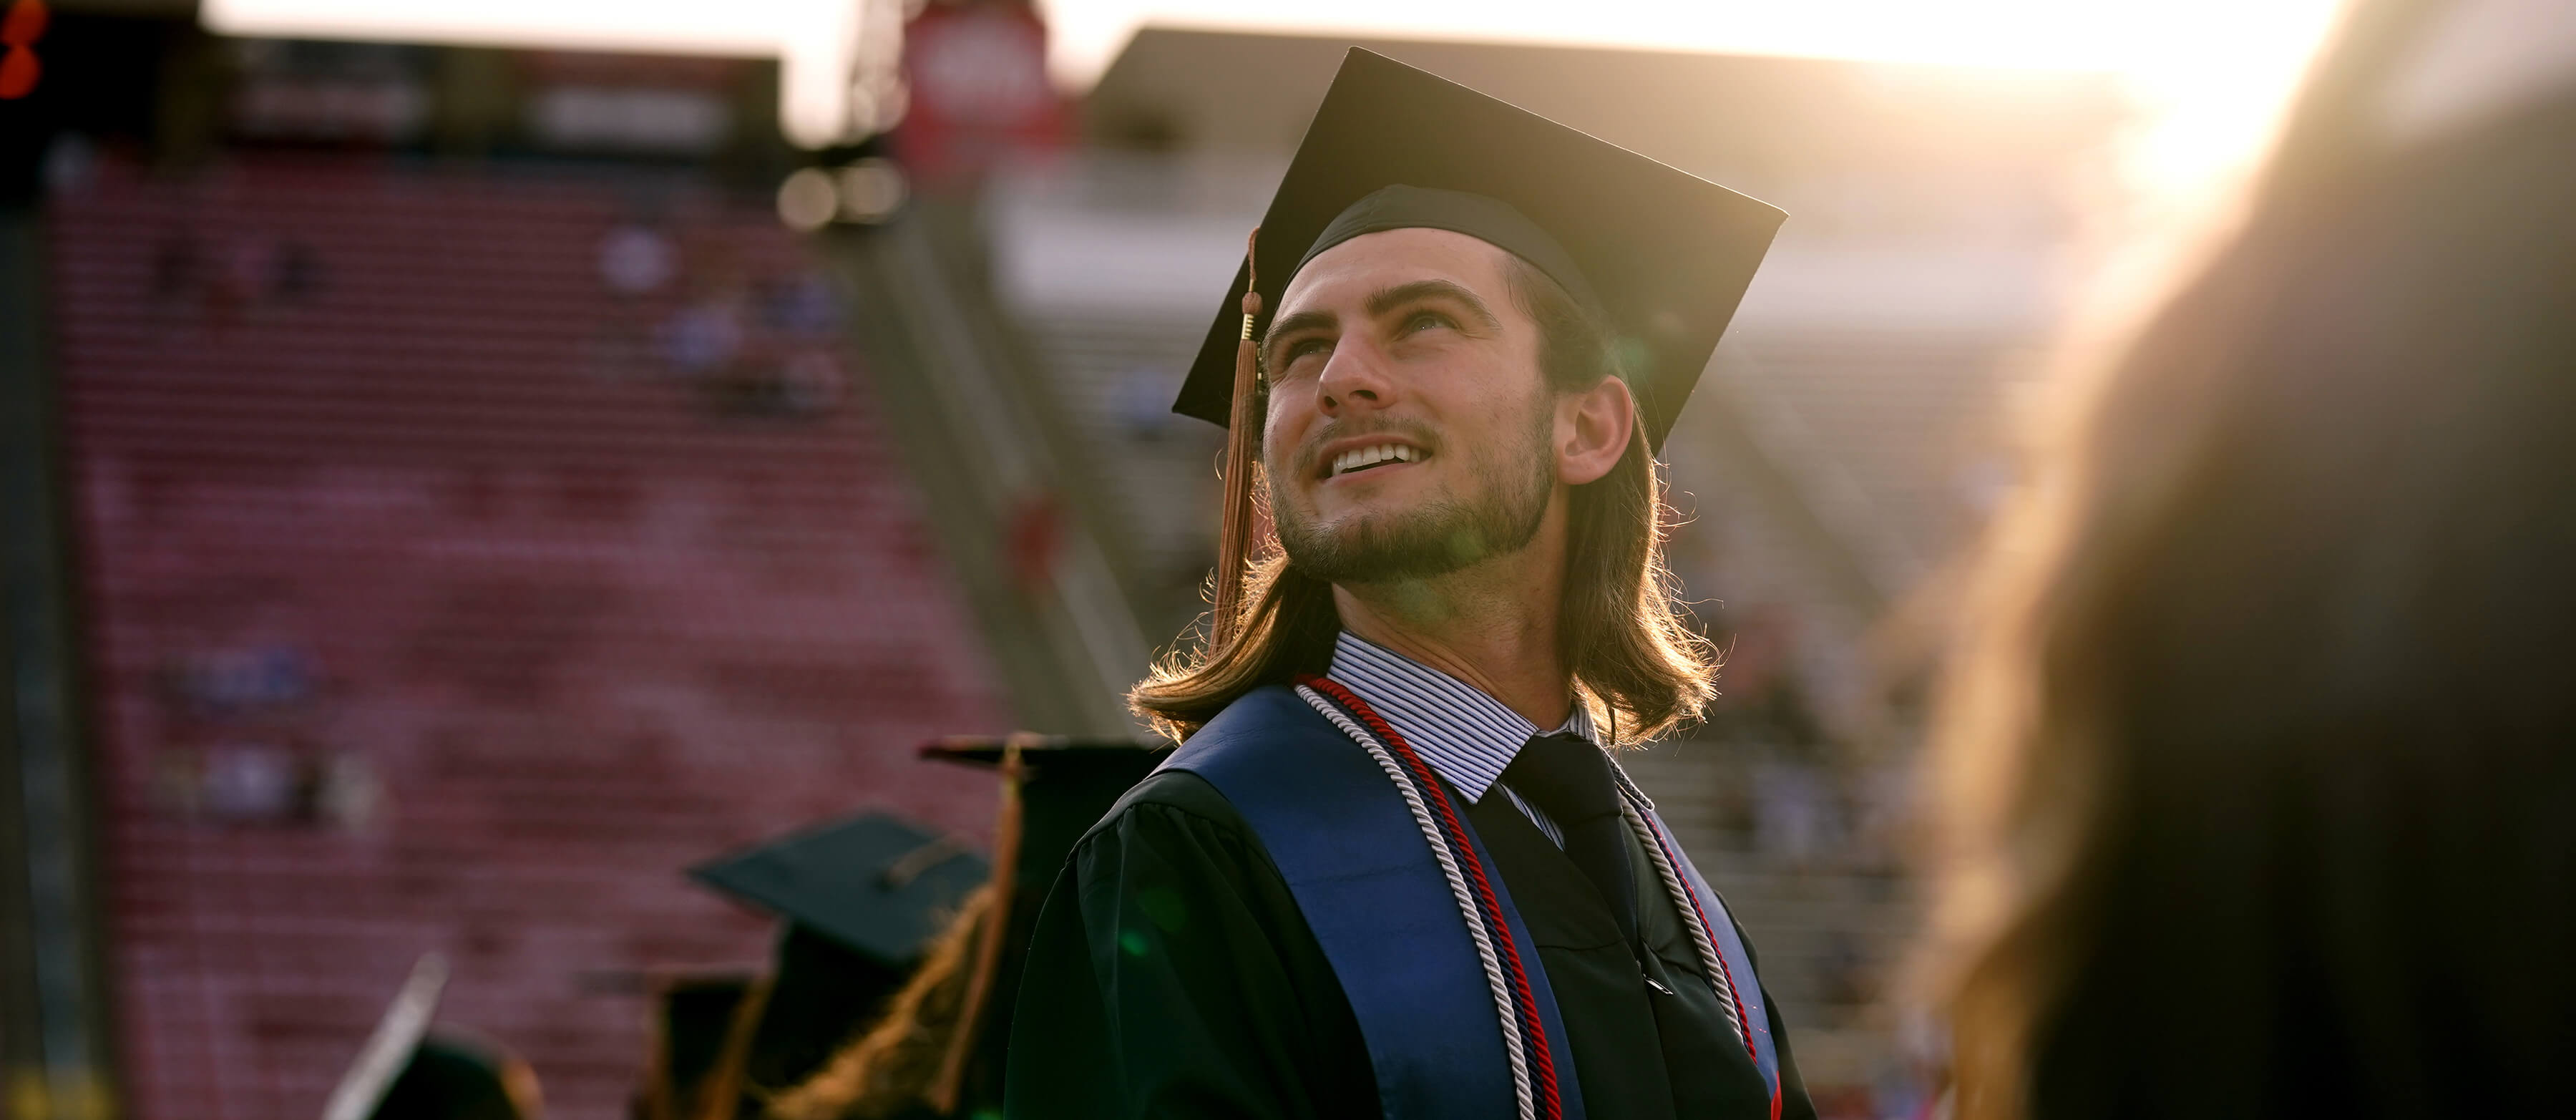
(1569, 779)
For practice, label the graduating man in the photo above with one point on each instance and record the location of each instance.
(1392, 869)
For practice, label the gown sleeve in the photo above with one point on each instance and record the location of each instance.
(1171, 975)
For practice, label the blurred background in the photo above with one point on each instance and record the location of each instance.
(467, 462)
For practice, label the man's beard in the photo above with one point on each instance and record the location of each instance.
(1502, 515)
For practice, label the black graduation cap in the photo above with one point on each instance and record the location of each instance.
(1066, 785)
(1665, 254)
(861, 898)
(872, 883)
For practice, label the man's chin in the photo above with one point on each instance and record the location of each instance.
(1378, 549)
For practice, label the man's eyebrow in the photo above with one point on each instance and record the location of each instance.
(1388, 299)
(1282, 328)
(1379, 303)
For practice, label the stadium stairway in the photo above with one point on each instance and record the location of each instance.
(1012, 497)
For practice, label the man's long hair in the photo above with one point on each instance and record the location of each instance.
(1619, 629)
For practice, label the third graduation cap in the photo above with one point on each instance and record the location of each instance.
(1664, 255)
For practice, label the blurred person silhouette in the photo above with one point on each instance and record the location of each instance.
(455, 1075)
(411, 1070)
(2258, 766)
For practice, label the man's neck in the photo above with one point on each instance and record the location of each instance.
(1492, 625)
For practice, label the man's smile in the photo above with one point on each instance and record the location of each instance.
(1362, 454)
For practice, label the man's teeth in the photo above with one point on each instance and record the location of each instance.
(1350, 461)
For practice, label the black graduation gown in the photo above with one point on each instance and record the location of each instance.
(1171, 975)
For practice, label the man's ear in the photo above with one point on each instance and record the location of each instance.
(1593, 428)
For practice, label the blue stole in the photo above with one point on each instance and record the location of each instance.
(1382, 909)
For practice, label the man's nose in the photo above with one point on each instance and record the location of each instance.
(1354, 378)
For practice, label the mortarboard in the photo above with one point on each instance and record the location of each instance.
(872, 884)
(1665, 254)
(861, 898)
(1065, 786)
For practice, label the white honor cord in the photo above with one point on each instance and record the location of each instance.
(1710, 965)
(1504, 1009)
(1640, 811)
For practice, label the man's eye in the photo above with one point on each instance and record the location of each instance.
(1425, 320)
(1304, 347)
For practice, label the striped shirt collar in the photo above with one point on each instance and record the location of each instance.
(1467, 736)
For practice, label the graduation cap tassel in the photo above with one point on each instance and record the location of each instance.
(1242, 434)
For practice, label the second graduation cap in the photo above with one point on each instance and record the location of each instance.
(1664, 254)
(872, 884)
(862, 898)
